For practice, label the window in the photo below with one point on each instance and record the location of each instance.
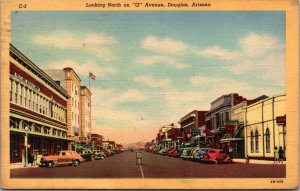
(21, 95)
(25, 97)
(11, 90)
(252, 142)
(268, 140)
(227, 116)
(16, 93)
(256, 142)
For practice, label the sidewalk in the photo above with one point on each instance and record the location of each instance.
(253, 161)
(21, 165)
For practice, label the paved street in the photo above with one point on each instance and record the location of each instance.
(154, 166)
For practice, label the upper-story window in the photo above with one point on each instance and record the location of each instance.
(256, 142)
(226, 116)
(252, 142)
(268, 147)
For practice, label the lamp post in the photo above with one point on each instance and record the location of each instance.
(26, 145)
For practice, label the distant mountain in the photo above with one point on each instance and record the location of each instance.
(137, 145)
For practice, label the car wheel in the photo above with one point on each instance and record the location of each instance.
(76, 162)
(50, 164)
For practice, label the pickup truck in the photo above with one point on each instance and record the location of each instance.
(63, 157)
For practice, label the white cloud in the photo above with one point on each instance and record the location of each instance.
(165, 46)
(151, 82)
(270, 67)
(93, 43)
(251, 46)
(217, 51)
(131, 95)
(257, 44)
(219, 86)
(105, 100)
(150, 60)
(83, 68)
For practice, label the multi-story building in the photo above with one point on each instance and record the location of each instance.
(97, 141)
(176, 136)
(38, 110)
(78, 106)
(235, 128)
(192, 124)
(164, 139)
(265, 127)
(85, 104)
(218, 115)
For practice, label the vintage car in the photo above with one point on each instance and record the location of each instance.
(199, 154)
(156, 150)
(175, 153)
(171, 152)
(106, 152)
(163, 151)
(63, 157)
(99, 155)
(193, 151)
(216, 156)
(87, 155)
(185, 152)
(188, 152)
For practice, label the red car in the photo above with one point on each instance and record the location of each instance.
(169, 153)
(175, 153)
(216, 155)
(106, 152)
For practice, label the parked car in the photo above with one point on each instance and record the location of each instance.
(199, 154)
(193, 151)
(216, 155)
(87, 155)
(185, 153)
(99, 155)
(106, 152)
(171, 152)
(163, 151)
(63, 157)
(175, 153)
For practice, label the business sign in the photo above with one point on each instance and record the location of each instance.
(82, 138)
(196, 132)
(281, 120)
(27, 82)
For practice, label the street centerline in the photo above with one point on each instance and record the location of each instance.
(142, 171)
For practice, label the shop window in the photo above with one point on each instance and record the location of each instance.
(256, 142)
(252, 142)
(268, 148)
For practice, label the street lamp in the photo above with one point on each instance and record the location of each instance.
(26, 145)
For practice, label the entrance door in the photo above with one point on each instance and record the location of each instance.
(15, 149)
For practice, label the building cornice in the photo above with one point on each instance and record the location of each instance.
(68, 69)
(27, 63)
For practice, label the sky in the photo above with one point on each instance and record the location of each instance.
(154, 67)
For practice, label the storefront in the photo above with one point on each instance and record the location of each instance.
(36, 145)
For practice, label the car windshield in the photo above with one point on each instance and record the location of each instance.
(203, 149)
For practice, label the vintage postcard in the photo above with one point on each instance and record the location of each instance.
(149, 94)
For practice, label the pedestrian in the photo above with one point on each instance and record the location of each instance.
(281, 154)
(276, 155)
(30, 159)
(230, 151)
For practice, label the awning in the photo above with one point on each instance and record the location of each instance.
(231, 139)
